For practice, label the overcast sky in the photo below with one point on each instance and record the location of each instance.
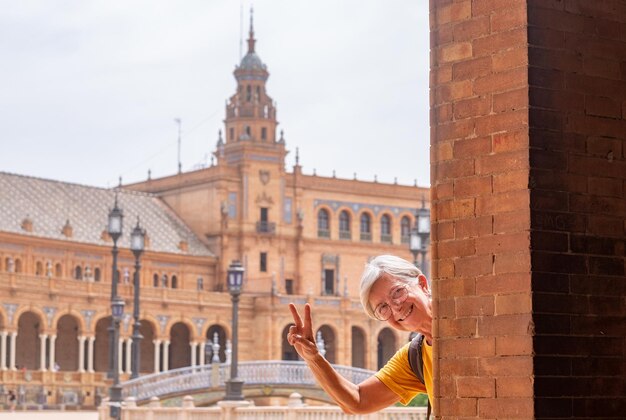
(89, 90)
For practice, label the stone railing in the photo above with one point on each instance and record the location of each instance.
(245, 410)
(189, 379)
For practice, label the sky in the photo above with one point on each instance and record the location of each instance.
(90, 89)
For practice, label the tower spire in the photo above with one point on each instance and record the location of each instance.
(251, 39)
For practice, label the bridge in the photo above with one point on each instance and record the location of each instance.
(271, 378)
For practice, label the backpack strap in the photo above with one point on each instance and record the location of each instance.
(415, 357)
(416, 361)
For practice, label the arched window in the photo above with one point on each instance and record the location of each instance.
(344, 225)
(405, 229)
(174, 282)
(358, 347)
(248, 93)
(39, 268)
(366, 227)
(78, 272)
(58, 270)
(248, 130)
(386, 346)
(155, 280)
(323, 225)
(200, 283)
(18, 265)
(164, 280)
(385, 228)
(97, 275)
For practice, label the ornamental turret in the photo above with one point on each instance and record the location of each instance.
(250, 112)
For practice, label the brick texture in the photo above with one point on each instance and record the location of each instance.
(528, 176)
(482, 264)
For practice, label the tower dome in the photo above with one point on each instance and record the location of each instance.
(251, 66)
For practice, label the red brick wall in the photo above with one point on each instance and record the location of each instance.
(577, 78)
(481, 209)
(528, 101)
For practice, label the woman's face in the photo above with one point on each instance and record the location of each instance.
(414, 313)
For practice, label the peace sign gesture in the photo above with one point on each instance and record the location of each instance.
(301, 334)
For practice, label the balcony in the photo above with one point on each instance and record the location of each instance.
(268, 228)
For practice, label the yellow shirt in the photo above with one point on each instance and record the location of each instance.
(398, 376)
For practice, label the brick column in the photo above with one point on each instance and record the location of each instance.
(577, 78)
(528, 175)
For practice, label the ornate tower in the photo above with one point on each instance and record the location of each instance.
(250, 114)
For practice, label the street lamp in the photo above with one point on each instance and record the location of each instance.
(114, 229)
(117, 312)
(137, 245)
(234, 386)
(420, 236)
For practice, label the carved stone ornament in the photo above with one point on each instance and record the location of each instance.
(264, 199)
(264, 176)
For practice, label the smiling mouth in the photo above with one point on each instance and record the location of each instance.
(407, 314)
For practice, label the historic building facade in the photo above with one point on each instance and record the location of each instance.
(301, 238)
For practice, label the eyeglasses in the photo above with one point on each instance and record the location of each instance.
(397, 297)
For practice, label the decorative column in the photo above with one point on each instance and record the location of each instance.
(229, 351)
(53, 339)
(157, 355)
(90, 354)
(13, 349)
(129, 343)
(166, 355)
(193, 349)
(81, 353)
(202, 361)
(3, 349)
(42, 352)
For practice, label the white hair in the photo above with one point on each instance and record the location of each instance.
(396, 267)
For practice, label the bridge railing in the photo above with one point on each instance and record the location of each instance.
(196, 378)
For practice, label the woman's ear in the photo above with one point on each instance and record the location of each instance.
(423, 282)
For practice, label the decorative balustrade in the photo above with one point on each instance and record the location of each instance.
(257, 373)
(295, 410)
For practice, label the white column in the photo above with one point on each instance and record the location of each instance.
(13, 349)
(129, 343)
(120, 360)
(81, 353)
(42, 353)
(53, 359)
(157, 355)
(166, 355)
(202, 344)
(90, 354)
(3, 349)
(194, 347)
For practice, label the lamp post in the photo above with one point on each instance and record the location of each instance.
(420, 236)
(114, 229)
(137, 245)
(115, 394)
(234, 386)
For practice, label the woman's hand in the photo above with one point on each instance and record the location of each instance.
(301, 334)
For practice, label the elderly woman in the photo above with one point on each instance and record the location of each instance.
(394, 291)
